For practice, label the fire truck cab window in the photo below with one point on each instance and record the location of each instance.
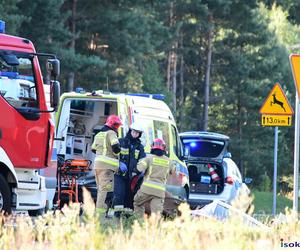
(17, 82)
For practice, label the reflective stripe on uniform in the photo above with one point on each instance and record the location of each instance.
(136, 154)
(101, 210)
(114, 141)
(104, 142)
(149, 172)
(99, 137)
(124, 151)
(119, 208)
(108, 160)
(155, 185)
(161, 162)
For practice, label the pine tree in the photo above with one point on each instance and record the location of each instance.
(11, 16)
(46, 27)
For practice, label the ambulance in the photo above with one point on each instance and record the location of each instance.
(81, 115)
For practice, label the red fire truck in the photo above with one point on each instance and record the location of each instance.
(26, 128)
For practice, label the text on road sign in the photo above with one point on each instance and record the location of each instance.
(276, 120)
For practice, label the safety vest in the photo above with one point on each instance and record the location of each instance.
(105, 157)
(157, 170)
(131, 153)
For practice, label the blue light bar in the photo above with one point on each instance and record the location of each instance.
(153, 96)
(79, 90)
(28, 78)
(193, 144)
(11, 75)
(2, 26)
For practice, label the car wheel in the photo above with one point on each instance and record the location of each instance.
(5, 196)
(36, 212)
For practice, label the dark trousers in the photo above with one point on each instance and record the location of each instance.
(121, 191)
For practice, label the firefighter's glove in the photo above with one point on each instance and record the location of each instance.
(122, 167)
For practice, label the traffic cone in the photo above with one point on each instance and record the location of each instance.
(215, 177)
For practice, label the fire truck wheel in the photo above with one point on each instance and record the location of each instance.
(5, 196)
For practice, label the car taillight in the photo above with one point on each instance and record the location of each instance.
(229, 180)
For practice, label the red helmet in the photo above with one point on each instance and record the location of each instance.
(158, 144)
(113, 121)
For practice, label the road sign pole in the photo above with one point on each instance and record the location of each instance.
(275, 171)
(296, 157)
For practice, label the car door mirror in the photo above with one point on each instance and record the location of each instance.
(227, 155)
(53, 67)
(54, 94)
(248, 180)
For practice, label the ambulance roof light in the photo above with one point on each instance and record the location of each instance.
(79, 90)
(153, 96)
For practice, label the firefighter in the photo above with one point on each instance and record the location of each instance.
(107, 148)
(132, 151)
(156, 168)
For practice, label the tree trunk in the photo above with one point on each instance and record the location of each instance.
(70, 82)
(169, 71)
(169, 67)
(172, 63)
(181, 81)
(172, 75)
(71, 76)
(73, 23)
(239, 128)
(207, 77)
(174, 79)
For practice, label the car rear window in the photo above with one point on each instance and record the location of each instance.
(203, 148)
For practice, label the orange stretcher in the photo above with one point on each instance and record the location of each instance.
(67, 177)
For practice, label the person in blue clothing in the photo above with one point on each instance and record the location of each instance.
(132, 151)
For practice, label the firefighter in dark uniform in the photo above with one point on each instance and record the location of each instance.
(156, 168)
(132, 151)
(107, 148)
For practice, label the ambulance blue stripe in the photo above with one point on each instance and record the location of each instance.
(183, 169)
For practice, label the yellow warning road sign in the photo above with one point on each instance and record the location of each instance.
(295, 64)
(276, 120)
(276, 103)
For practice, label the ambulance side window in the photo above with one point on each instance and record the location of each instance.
(148, 132)
(177, 147)
(175, 142)
(147, 135)
(161, 130)
(123, 113)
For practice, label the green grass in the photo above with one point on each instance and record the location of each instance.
(263, 203)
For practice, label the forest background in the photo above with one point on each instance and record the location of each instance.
(215, 60)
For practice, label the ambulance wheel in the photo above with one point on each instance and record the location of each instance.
(5, 196)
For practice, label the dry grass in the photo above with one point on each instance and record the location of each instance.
(69, 231)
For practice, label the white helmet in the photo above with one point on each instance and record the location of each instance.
(137, 127)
